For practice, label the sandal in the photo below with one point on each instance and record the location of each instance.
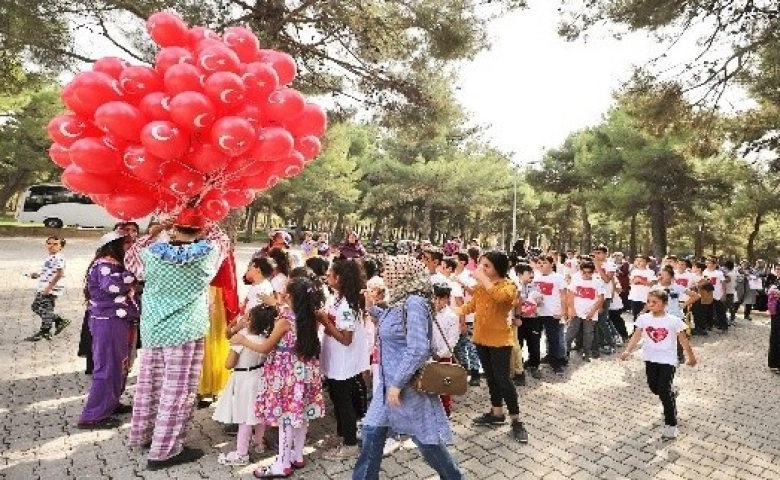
(268, 472)
(232, 458)
(260, 448)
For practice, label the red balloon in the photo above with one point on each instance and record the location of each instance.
(192, 110)
(168, 202)
(111, 66)
(233, 135)
(163, 139)
(121, 119)
(183, 77)
(204, 44)
(90, 90)
(170, 56)
(283, 63)
(260, 182)
(214, 206)
(59, 155)
(93, 155)
(182, 181)
(142, 165)
(225, 88)
(272, 143)
(197, 34)
(130, 206)
(312, 121)
(309, 147)
(289, 166)
(260, 78)
(207, 159)
(156, 106)
(243, 42)
(218, 58)
(239, 198)
(77, 180)
(66, 129)
(247, 167)
(252, 114)
(114, 143)
(167, 29)
(284, 104)
(140, 80)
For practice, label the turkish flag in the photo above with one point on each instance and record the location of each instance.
(586, 292)
(682, 282)
(642, 280)
(545, 288)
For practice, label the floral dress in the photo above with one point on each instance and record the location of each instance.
(290, 390)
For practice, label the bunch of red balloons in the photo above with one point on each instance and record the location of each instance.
(211, 123)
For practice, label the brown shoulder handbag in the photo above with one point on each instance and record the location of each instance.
(439, 378)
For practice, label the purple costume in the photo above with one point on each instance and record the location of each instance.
(113, 315)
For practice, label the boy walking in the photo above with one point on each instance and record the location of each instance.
(49, 288)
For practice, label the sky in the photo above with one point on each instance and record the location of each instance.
(532, 88)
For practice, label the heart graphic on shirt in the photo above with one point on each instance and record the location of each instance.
(656, 334)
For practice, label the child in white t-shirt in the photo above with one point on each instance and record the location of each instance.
(586, 298)
(660, 333)
(641, 279)
(446, 332)
(48, 290)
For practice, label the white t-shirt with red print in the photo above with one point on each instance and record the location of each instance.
(716, 279)
(586, 295)
(638, 292)
(550, 286)
(659, 337)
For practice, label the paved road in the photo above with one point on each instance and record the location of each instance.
(600, 421)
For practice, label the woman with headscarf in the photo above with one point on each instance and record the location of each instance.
(404, 324)
(352, 248)
(113, 314)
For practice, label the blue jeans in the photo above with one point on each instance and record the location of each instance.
(370, 460)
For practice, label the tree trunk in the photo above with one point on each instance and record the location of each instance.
(300, 217)
(632, 238)
(250, 223)
(657, 213)
(377, 232)
(230, 224)
(587, 231)
(337, 235)
(751, 243)
(20, 180)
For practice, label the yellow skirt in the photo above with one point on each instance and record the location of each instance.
(215, 375)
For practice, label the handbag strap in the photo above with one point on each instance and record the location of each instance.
(432, 314)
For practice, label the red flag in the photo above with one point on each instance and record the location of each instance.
(226, 280)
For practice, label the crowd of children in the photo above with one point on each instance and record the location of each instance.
(305, 331)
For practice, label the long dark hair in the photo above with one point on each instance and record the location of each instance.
(351, 282)
(500, 262)
(282, 260)
(262, 319)
(306, 300)
(114, 249)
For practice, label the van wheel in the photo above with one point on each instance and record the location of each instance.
(52, 223)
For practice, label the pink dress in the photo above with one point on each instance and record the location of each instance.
(290, 390)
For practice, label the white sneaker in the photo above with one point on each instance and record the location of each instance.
(670, 432)
(391, 446)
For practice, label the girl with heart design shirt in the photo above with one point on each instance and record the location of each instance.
(660, 333)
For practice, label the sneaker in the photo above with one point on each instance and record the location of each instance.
(536, 373)
(586, 358)
(558, 370)
(518, 432)
(344, 452)
(775, 370)
(545, 359)
(42, 334)
(232, 458)
(488, 419)
(519, 380)
(187, 455)
(670, 432)
(60, 325)
(123, 409)
(474, 381)
(391, 446)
